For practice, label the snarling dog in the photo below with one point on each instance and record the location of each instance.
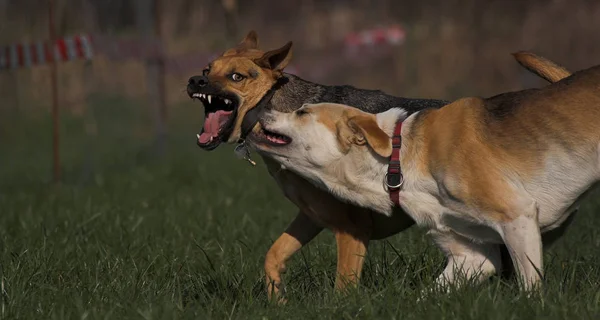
(244, 80)
(476, 173)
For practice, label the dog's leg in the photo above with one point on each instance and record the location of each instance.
(467, 260)
(524, 242)
(352, 234)
(301, 231)
(352, 249)
(548, 239)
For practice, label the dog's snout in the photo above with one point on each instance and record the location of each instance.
(268, 117)
(198, 81)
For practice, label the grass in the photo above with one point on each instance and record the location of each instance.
(132, 235)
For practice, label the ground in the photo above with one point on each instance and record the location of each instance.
(133, 235)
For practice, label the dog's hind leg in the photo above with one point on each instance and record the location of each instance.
(301, 231)
(353, 231)
(467, 260)
(524, 242)
(548, 239)
(352, 249)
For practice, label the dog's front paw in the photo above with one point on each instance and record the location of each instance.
(276, 292)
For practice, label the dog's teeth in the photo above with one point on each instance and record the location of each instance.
(227, 101)
(209, 99)
(211, 138)
(198, 136)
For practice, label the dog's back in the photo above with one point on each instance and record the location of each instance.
(566, 112)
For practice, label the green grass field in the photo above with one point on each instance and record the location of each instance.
(131, 235)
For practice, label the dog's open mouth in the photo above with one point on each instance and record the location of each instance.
(219, 116)
(271, 137)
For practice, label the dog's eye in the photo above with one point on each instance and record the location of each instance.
(237, 77)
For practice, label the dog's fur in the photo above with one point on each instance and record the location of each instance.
(353, 225)
(477, 172)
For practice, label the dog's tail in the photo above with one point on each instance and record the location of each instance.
(541, 66)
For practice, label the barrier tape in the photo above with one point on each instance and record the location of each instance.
(120, 49)
(39, 53)
(393, 35)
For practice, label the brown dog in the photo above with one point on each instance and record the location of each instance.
(246, 78)
(477, 173)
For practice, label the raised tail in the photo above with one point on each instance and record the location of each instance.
(541, 66)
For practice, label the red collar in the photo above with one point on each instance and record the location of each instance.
(393, 177)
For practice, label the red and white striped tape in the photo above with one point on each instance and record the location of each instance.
(116, 48)
(394, 35)
(27, 55)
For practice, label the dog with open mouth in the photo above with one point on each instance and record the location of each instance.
(476, 173)
(238, 86)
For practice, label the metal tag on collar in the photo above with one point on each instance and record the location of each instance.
(241, 150)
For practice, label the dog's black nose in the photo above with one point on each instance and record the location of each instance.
(199, 81)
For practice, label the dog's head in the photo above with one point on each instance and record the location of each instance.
(317, 138)
(232, 84)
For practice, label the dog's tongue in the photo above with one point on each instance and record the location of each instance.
(212, 124)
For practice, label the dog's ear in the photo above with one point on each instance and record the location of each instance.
(250, 41)
(276, 59)
(366, 130)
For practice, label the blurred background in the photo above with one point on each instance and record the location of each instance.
(145, 223)
(131, 90)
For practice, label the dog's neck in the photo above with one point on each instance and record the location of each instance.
(359, 176)
(298, 91)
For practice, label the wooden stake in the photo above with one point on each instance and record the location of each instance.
(54, 86)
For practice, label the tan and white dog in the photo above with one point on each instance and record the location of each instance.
(477, 172)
